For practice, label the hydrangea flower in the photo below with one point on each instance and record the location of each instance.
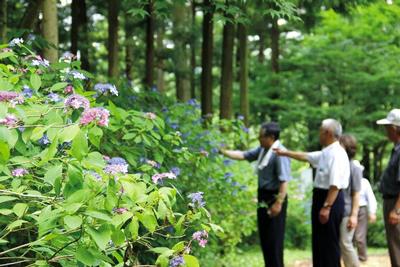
(150, 115)
(77, 75)
(204, 153)
(103, 88)
(240, 117)
(245, 129)
(98, 115)
(176, 261)
(9, 120)
(160, 176)
(227, 162)
(27, 92)
(68, 56)
(120, 210)
(39, 61)
(176, 171)
(94, 174)
(153, 163)
(201, 237)
(76, 101)
(16, 42)
(116, 165)
(19, 172)
(197, 200)
(44, 140)
(55, 98)
(11, 97)
(69, 89)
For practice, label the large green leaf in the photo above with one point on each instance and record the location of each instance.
(100, 236)
(134, 228)
(79, 146)
(69, 133)
(148, 219)
(58, 86)
(191, 261)
(85, 256)
(73, 221)
(53, 173)
(4, 152)
(20, 209)
(35, 80)
(95, 135)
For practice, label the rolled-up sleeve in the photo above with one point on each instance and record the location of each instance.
(356, 176)
(372, 204)
(314, 157)
(283, 170)
(252, 154)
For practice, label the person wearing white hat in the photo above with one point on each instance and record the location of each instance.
(390, 187)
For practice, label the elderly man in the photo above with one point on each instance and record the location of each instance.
(273, 174)
(333, 173)
(390, 187)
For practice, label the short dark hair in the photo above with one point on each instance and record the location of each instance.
(349, 143)
(271, 129)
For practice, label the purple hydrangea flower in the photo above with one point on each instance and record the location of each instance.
(228, 175)
(77, 75)
(99, 115)
(103, 88)
(19, 172)
(94, 174)
(9, 121)
(39, 61)
(69, 89)
(245, 129)
(152, 163)
(176, 171)
(228, 162)
(116, 165)
(11, 97)
(197, 200)
(27, 92)
(44, 140)
(120, 210)
(157, 178)
(55, 98)
(68, 56)
(76, 101)
(176, 261)
(201, 237)
(16, 42)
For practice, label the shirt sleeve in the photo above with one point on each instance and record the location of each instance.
(314, 157)
(372, 204)
(356, 176)
(252, 154)
(283, 169)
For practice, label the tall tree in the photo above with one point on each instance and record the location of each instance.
(31, 14)
(243, 72)
(150, 27)
(128, 49)
(227, 68)
(160, 58)
(193, 50)
(181, 57)
(3, 21)
(79, 32)
(50, 29)
(206, 57)
(113, 25)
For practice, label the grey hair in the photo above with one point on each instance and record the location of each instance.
(333, 126)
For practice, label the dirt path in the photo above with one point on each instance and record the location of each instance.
(381, 260)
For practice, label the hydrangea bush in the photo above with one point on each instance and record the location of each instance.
(85, 183)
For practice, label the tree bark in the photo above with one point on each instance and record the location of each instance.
(243, 73)
(366, 162)
(50, 29)
(181, 53)
(206, 60)
(79, 32)
(227, 71)
(31, 14)
(160, 59)
(193, 52)
(113, 25)
(275, 46)
(3, 21)
(149, 76)
(128, 49)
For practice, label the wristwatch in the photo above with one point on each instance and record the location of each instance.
(327, 205)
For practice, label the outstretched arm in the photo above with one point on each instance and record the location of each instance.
(233, 154)
(302, 156)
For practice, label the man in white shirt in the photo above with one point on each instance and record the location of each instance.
(332, 175)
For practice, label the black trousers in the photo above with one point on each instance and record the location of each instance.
(325, 237)
(271, 229)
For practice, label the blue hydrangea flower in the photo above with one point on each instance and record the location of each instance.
(228, 175)
(27, 92)
(55, 98)
(44, 140)
(116, 160)
(176, 261)
(176, 171)
(228, 162)
(197, 200)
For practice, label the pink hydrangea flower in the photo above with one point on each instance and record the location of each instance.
(19, 172)
(9, 121)
(160, 176)
(201, 237)
(11, 97)
(69, 89)
(98, 115)
(76, 101)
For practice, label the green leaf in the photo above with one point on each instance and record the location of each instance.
(148, 219)
(15, 224)
(191, 261)
(35, 80)
(79, 146)
(162, 210)
(53, 173)
(69, 133)
(134, 228)
(58, 86)
(49, 153)
(162, 250)
(83, 255)
(6, 85)
(9, 135)
(20, 209)
(101, 236)
(98, 215)
(95, 135)
(94, 160)
(178, 247)
(6, 198)
(73, 221)
(37, 133)
(4, 152)
(118, 237)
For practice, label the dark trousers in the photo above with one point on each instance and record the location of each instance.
(271, 229)
(325, 237)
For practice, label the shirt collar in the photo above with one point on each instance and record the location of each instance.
(331, 146)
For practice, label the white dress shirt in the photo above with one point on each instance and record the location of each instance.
(367, 197)
(333, 167)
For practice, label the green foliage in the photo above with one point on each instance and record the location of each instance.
(61, 200)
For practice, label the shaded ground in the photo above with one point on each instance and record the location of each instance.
(379, 260)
